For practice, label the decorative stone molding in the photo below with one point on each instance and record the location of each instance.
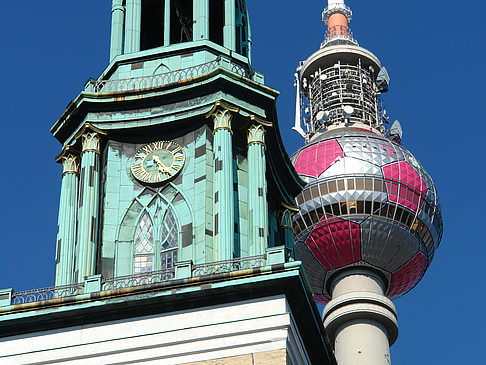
(222, 117)
(256, 134)
(70, 164)
(90, 138)
(91, 142)
(286, 215)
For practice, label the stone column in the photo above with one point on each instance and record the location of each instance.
(117, 28)
(360, 320)
(223, 184)
(66, 227)
(88, 205)
(229, 29)
(257, 191)
(133, 26)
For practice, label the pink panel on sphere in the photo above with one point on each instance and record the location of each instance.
(321, 299)
(316, 159)
(335, 243)
(403, 172)
(402, 201)
(405, 278)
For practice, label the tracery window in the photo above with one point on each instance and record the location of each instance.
(144, 245)
(169, 241)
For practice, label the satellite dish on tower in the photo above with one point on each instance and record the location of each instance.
(348, 111)
(322, 117)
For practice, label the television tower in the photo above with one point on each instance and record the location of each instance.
(370, 218)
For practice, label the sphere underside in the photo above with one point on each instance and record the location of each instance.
(369, 203)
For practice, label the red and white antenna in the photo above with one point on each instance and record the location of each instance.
(337, 17)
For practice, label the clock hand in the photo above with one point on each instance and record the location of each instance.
(162, 168)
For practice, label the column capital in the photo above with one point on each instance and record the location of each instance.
(90, 138)
(221, 114)
(69, 158)
(256, 134)
(286, 214)
(117, 5)
(70, 164)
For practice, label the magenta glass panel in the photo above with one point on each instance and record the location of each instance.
(317, 253)
(335, 243)
(405, 278)
(392, 196)
(316, 159)
(402, 171)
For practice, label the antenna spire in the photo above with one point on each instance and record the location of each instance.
(337, 17)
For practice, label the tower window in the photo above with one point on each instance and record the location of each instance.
(241, 28)
(152, 24)
(181, 21)
(169, 241)
(216, 21)
(144, 245)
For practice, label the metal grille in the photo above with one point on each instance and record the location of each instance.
(168, 78)
(38, 295)
(128, 281)
(229, 265)
(121, 282)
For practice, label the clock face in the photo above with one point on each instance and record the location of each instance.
(158, 161)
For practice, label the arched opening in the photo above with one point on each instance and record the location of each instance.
(181, 21)
(216, 21)
(242, 28)
(152, 24)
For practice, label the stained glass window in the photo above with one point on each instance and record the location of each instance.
(144, 245)
(169, 241)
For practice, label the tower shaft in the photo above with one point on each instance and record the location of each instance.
(360, 319)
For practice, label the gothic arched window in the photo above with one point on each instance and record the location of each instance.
(144, 245)
(169, 241)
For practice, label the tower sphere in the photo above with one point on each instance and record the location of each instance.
(368, 202)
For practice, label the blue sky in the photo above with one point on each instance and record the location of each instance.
(51, 48)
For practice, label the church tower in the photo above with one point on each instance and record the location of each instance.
(175, 238)
(172, 157)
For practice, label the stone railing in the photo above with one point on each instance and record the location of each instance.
(182, 270)
(169, 78)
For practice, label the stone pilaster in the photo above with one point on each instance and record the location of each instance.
(88, 205)
(117, 28)
(257, 190)
(66, 234)
(223, 188)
